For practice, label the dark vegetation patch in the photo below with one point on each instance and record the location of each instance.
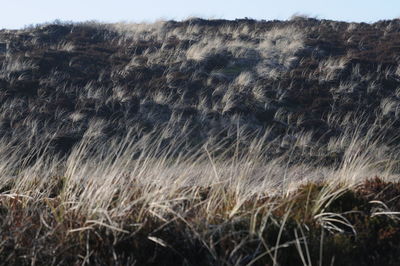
(362, 235)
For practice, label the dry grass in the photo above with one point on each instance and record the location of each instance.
(170, 202)
(200, 142)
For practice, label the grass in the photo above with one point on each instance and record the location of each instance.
(200, 142)
(202, 206)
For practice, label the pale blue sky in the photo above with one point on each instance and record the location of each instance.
(18, 13)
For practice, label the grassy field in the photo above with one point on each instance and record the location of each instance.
(200, 142)
(209, 205)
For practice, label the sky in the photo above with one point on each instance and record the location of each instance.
(16, 14)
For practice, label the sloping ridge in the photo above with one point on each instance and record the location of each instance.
(202, 78)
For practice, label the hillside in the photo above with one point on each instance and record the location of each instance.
(202, 139)
(200, 77)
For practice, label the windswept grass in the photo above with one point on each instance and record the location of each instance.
(200, 142)
(144, 202)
